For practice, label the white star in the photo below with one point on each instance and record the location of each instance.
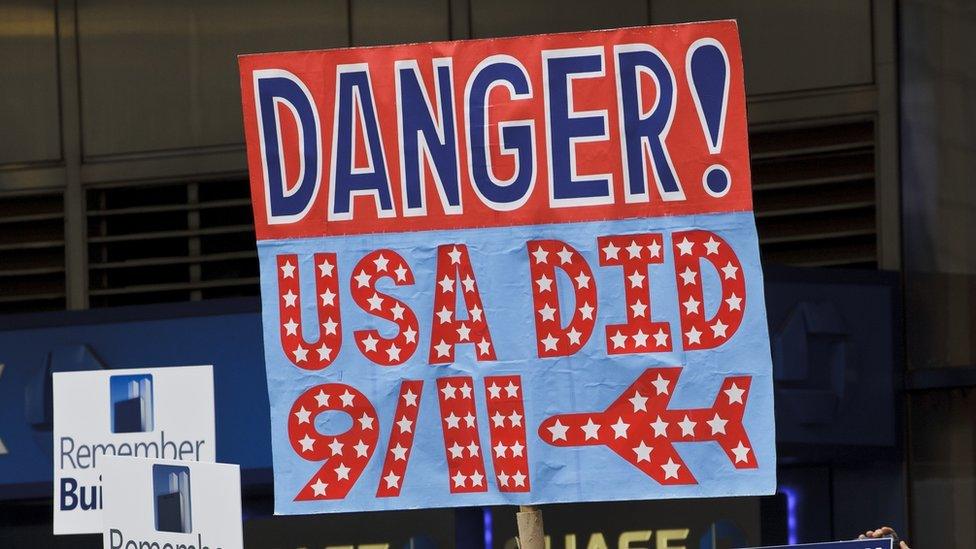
(639, 401)
(671, 469)
(459, 479)
(464, 333)
(711, 246)
(475, 313)
(449, 391)
(687, 276)
(347, 398)
(300, 354)
(401, 273)
(457, 451)
(734, 303)
(468, 419)
(717, 424)
(718, 329)
(291, 327)
(342, 472)
(498, 419)
(288, 270)
(455, 255)
(729, 270)
(397, 311)
(303, 415)
(516, 419)
(586, 311)
(545, 283)
(591, 430)
(336, 447)
(500, 449)
(465, 390)
(693, 335)
(447, 284)
(565, 256)
(691, 306)
(618, 340)
(290, 299)
(369, 342)
(540, 255)
(409, 398)
(640, 339)
(330, 326)
(634, 250)
(325, 268)
(574, 336)
(494, 391)
(410, 335)
(468, 283)
(328, 297)
(582, 281)
(734, 393)
(661, 385)
(366, 421)
(442, 348)
(361, 449)
(503, 479)
(660, 338)
(381, 263)
(558, 431)
(453, 422)
(399, 452)
(472, 449)
(654, 248)
(741, 453)
(549, 342)
(476, 478)
(547, 312)
(636, 280)
(406, 426)
(517, 449)
(620, 428)
(511, 390)
(519, 478)
(643, 452)
(322, 399)
(444, 315)
(362, 279)
(685, 246)
(639, 309)
(611, 251)
(484, 347)
(392, 480)
(687, 427)
(319, 487)
(307, 443)
(325, 352)
(660, 428)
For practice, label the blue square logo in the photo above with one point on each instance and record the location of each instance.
(131, 403)
(171, 498)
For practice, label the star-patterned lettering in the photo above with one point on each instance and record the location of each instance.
(323, 351)
(506, 409)
(373, 267)
(455, 275)
(400, 442)
(699, 332)
(552, 338)
(459, 424)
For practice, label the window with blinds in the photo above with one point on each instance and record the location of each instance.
(32, 253)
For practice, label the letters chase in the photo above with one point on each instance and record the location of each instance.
(510, 271)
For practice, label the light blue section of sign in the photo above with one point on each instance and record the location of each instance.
(585, 382)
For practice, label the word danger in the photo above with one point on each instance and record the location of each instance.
(558, 333)
(499, 128)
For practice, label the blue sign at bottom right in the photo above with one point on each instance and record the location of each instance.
(877, 543)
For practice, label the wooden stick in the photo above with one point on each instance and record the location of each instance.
(530, 531)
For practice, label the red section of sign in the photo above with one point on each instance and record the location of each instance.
(690, 247)
(459, 422)
(321, 353)
(691, 150)
(401, 439)
(506, 424)
(552, 338)
(344, 455)
(371, 268)
(641, 429)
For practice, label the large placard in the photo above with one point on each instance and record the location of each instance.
(517, 270)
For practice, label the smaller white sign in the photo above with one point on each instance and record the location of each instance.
(156, 413)
(171, 504)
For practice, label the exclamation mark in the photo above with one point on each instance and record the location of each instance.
(707, 67)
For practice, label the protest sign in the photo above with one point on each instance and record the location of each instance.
(879, 543)
(518, 270)
(165, 413)
(170, 504)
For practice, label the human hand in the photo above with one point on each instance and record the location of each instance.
(884, 532)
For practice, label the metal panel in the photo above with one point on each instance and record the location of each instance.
(163, 76)
(29, 98)
(396, 22)
(515, 17)
(790, 46)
